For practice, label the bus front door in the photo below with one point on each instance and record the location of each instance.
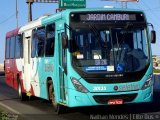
(62, 68)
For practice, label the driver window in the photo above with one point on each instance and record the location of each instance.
(50, 40)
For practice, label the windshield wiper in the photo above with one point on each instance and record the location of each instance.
(118, 52)
(95, 33)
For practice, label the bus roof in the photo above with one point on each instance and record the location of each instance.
(12, 33)
(62, 14)
(104, 9)
(32, 24)
(49, 19)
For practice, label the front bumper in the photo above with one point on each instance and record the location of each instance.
(75, 98)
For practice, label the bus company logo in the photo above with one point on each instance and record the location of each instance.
(127, 87)
(48, 67)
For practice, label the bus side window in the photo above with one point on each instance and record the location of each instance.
(12, 47)
(34, 41)
(40, 41)
(50, 40)
(18, 47)
(7, 47)
(21, 42)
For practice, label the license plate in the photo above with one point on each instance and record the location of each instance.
(115, 102)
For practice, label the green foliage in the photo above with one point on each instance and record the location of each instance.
(156, 71)
(6, 116)
(3, 116)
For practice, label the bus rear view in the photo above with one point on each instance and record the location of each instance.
(111, 58)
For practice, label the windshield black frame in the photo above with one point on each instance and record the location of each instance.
(103, 77)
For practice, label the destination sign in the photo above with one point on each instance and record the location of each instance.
(107, 17)
(78, 17)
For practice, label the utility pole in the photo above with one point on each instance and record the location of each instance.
(16, 13)
(29, 2)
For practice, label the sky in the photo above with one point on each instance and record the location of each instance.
(8, 16)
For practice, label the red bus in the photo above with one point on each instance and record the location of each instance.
(13, 55)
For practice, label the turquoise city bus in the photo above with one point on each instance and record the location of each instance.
(87, 57)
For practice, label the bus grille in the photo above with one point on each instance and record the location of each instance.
(103, 99)
(110, 80)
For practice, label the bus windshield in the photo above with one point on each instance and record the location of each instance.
(97, 48)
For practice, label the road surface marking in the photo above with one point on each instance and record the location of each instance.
(10, 109)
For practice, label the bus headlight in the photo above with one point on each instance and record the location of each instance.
(79, 87)
(148, 82)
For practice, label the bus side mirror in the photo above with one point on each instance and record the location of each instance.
(64, 40)
(153, 36)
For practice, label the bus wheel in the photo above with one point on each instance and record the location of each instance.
(22, 96)
(57, 107)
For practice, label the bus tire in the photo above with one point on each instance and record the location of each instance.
(22, 96)
(57, 107)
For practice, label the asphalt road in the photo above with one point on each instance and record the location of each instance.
(1, 73)
(39, 109)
